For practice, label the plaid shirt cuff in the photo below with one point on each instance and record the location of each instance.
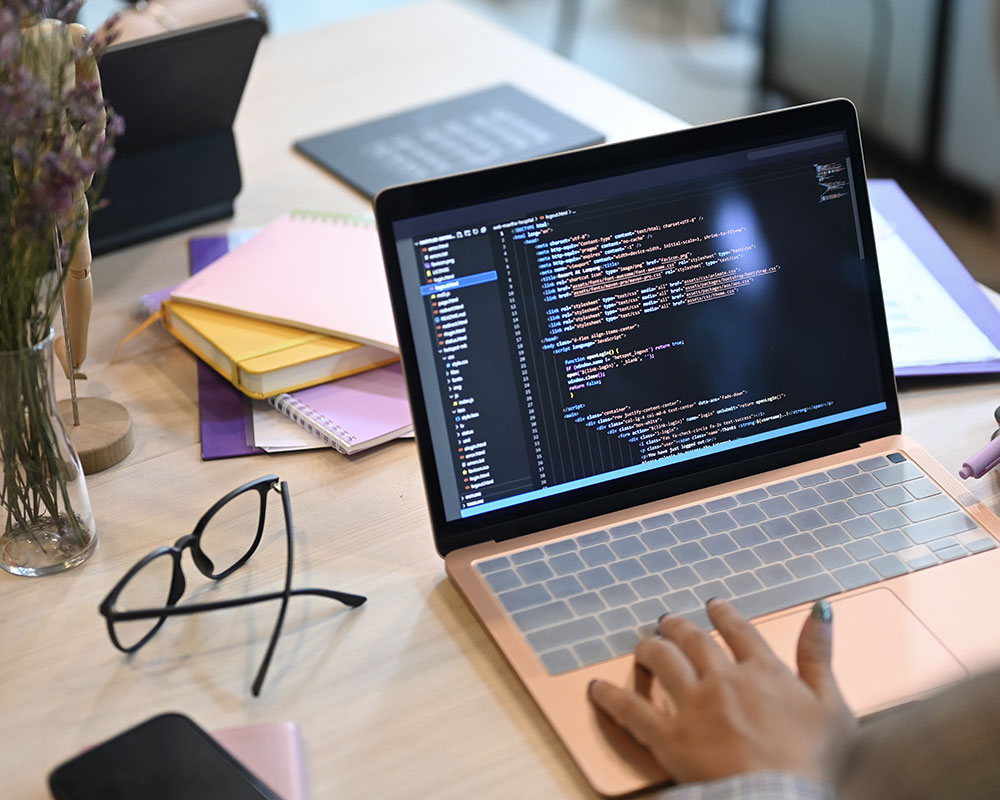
(752, 786)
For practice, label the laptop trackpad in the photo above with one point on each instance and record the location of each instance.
(882, 653)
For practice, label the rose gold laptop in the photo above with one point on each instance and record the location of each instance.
(651, 373)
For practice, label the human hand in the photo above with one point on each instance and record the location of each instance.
(735, 716)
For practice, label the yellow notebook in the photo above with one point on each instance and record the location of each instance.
(262, 358)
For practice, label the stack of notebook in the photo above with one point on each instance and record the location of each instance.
(300, 304)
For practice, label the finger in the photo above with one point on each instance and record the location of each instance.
(815, 652)
(668, 664)
(742, 637)
(633, 713)
(703, 653)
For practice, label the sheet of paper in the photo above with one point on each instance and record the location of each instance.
(926, 326)
(276, 433)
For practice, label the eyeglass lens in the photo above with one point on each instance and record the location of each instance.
(148, 588)
(232, 530)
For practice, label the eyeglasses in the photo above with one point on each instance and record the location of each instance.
(140, 603)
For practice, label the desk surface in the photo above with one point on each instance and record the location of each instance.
(405, 697)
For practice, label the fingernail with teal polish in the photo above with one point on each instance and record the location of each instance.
(822, 611)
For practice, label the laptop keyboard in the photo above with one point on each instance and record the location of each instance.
(590, 598)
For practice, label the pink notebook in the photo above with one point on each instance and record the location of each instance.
(353, 413)
(320, 272)
(273, 752)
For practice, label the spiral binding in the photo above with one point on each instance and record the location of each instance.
(318, 425)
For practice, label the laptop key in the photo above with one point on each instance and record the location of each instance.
(863, 549)
(688, 530)
(778, 528)
(896, 458)
(813, 480)
(688, 552)
(939, 527)
(650, 586)
(542, 616)
(627, 547)
(617, 619)
(951, 553)
(657, 538)
(919, 510)
(855, 575)
(941, 544)
(921, 488)
(720, 544)
(838, 511)
(865, 503)
(679, 602)
(592, 652)
(891, 541)
(559, 661)
(622, 642)
(977, 541)
(776, 506)
(834, 557)
(565, 586)
(681, 577)
(748, 514)
(595, 537)
(742, 560)
(566, 633)
(712, 568)
(627, 570)
(596, 578)
(772, 552)
(807, 520)
(503, 580)
(749, 536)
(752, 496)
(597, 555)
(889, 566)
(658, 521)
(894, 495)
(519, 599)
(802, 543)
(707, 591)
(621, 594)
(774, 574)
(719, 522)
(584, 604)
(557, 548)
(493, 565)
(721, 504)
(533, 572)
(649, 610)
(870, 464)
(527, 556)
(691, 512)
(566, 563)
(627, 529)
(787, 595)
(830, 535)
(843, 472)
(805, 498)
(658, 561)
(804, 566)
(782, 488)
(835, 490)
(862, 483)
(897, 473)
(744, 583)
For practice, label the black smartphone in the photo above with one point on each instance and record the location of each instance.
(164, 758)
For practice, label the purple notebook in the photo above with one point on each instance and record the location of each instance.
(893, 204)
(353, 413)
(224, 413)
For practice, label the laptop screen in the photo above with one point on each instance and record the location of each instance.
(570, 338)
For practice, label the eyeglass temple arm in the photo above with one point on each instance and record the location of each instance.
(352, 600)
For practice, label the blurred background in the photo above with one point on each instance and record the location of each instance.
(924, 74)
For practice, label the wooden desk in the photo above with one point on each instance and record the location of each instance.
(405, 697)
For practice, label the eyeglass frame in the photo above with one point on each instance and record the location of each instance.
(178, 584)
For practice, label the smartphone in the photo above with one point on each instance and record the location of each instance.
(164, 758)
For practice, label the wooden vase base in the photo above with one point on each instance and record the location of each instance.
(104, 436)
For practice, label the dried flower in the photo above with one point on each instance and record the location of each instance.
(55, 134)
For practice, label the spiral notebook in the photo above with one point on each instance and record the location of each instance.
(354, 413)
(318, 272)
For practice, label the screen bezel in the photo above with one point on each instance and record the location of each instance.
(396, 204)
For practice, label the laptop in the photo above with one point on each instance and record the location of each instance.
(650, 373)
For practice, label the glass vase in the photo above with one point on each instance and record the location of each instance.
(46, 523)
